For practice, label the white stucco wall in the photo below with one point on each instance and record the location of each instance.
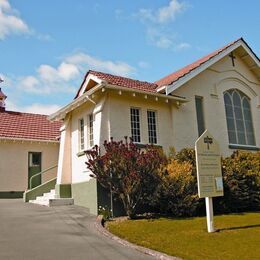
(120, 123)
(211, 84)
(100, 130)
(14, 162)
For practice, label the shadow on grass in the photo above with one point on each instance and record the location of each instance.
(235, 228)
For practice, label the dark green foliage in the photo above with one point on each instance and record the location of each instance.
(241, 173)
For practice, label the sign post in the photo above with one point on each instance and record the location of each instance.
(209, 175)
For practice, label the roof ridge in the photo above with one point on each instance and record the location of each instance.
(143, 81)
(11, 111)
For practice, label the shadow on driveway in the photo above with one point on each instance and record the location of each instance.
(29, 231)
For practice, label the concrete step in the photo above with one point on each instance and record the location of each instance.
(40, 200)
(61, 202)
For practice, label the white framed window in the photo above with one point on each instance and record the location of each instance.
(90, 130)
(152, 126)
(239, 118)
(81, 135)
(135, 125)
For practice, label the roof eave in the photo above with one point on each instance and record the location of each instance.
(180, 99)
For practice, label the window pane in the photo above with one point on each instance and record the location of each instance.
(81, 134)
(135, 124)
(151, 117)
(232, 137)
(248, 122)
(231, 124)
(200, 114)
(90, 130)
(241, 138)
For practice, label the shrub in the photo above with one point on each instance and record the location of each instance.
(128, 172)
(241, 174)
(177, 193)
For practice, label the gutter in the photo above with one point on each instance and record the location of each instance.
(27, 140)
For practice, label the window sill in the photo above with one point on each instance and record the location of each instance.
(243, 147)
(139, 145)
(79, 154)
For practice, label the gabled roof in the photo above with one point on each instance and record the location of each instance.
(121, 81)
(16, 125)
(169, 79)
(179, 77)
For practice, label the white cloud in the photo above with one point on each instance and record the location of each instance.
(35, 108)
(182, 46)
(168, 13)
(164, 14)
(10, 22)
(64, 72)
(143, 64)
(66, 77)
(83, 60)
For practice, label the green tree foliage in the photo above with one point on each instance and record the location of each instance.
(130, 173)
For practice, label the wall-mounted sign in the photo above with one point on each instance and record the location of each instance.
(208, 160)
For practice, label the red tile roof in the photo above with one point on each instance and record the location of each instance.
(171, 78)
(152, 87)
(18, 125)
(122, 82)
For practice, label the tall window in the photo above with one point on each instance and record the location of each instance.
(81, 134)
(135, 125)
(200, 114)
(151, 117)
(90, 130)
(239, 118)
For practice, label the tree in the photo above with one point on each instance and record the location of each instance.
(129, 172)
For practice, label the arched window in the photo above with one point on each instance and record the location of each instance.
(239, 118)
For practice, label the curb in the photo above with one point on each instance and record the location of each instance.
(158, 255)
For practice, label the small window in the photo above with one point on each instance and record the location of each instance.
(200, 115)
(81, 134)
(90, 130)
(34, 159)
(151, 118)
(135, 125)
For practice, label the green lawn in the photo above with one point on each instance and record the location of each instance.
(238, 236)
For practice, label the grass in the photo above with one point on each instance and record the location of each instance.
(238, 236)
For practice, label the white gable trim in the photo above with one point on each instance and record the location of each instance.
(90, 77)
(210, 62)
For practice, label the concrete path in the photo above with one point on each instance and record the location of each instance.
(29, 231)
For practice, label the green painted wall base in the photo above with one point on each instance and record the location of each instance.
(11, 194)
(63, 190)
(85, 195)
(39, 190)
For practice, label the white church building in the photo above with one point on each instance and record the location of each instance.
(219, 92)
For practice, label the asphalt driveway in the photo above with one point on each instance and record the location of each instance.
(29, 231)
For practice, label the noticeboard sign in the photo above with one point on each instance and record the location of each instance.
(208, 161)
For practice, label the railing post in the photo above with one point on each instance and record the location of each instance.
(40, 173)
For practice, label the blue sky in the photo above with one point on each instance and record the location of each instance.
(47, 46)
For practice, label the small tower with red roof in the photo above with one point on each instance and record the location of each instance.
(2, 100)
